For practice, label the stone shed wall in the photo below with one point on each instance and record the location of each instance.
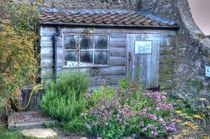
(192, 51)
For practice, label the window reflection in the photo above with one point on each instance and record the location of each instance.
(86, 42)
(100, 58)
(101, 42)
(86, 58)
(71, 59)
(70, 41)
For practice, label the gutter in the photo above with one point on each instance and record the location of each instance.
(54, 39)
(174, 27)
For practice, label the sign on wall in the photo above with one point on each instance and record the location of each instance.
(143, 47)
(207, 71)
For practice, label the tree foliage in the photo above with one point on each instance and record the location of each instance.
(18, 64)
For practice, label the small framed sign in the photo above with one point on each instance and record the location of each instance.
(143, 47)
(207, 71)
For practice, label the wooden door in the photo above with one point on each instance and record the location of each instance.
(143, 54)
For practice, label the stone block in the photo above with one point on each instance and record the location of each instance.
(166, 68)
(167, 51)
(165, 77)
(166, 85)
(166, 60)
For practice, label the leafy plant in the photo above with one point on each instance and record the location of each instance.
(17, 52)
(4, 134)
(64, 100)
(128, 111)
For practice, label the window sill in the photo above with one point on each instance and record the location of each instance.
(93, 67)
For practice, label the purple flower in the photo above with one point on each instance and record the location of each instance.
(164, 98)
(88, 126)
(153, 116)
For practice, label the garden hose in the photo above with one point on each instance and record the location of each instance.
(34, 90)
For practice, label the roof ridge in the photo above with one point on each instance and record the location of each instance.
(157, 17)
(94, 11)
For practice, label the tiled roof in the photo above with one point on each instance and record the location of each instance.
(132, 19)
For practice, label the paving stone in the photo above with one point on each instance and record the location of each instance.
(40, 133)
(83, 138)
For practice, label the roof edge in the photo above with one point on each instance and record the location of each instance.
(110, 26)
(157, 18)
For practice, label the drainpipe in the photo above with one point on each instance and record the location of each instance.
(54, 39)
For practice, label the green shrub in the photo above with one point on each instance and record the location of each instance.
(64, 100)
(4, 134)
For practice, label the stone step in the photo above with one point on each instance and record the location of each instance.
(42, 133)
(27, 120)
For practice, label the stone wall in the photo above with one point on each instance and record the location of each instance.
(192, 51)
(88, 4)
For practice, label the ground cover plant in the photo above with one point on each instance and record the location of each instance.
(191, 122)
(128, 111)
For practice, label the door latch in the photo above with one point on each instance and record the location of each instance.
(129, 56)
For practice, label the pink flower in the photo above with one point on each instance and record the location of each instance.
(153, 116)
(164, 98)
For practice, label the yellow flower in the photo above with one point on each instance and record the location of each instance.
(195, 127)
(188, 117)
(208, 107)
(198, 116)
(178, 112)
(178, 121)
(202, 99)
(206, 136)
(185, 132)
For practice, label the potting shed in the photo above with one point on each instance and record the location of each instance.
(109, 44)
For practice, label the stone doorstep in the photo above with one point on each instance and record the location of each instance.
(26, 120)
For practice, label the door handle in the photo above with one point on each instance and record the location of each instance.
(129, 56)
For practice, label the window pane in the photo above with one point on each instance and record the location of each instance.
(86, 42)
(101, 42)
(70, 41)
(100, 58)
(71, 59)
(86, 58)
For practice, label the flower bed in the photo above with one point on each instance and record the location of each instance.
(108, 112)
(128, 111)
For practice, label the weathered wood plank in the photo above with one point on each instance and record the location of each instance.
(48, 63)
(106, 80)
(47, 52)
(118, 35)
(117, 61)
(47, 31)
(117, 52)
(46, 44)
(46, 72)
(102, 71)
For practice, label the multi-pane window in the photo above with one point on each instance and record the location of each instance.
(85, 50)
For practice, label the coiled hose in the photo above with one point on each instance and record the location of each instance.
(34, 90)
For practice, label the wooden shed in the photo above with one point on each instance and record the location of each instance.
(108, 44)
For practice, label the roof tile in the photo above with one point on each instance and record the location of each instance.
(108, 18)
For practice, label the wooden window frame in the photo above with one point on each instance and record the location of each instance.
(86, 50)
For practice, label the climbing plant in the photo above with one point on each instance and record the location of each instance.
(18, 63)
